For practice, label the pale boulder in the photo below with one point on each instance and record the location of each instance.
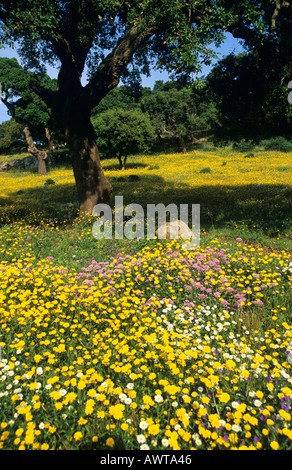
(174, 230)
(178, 229)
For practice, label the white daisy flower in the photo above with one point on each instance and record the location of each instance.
(257, 402)
(143, 425)
(158, 398)
(144, 447)
(141, 438)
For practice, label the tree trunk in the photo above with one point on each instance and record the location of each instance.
(92, 185)
(41, 156)
(49, 137)
(42, 169)
(183, 144)
(122, 163)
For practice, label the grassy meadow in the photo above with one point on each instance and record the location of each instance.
(136, 345)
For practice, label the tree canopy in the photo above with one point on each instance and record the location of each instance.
(251, 100)
(122, 39)
(11, 136)
(121, 132)
(24, 105)
(119, 38)
(179, 113)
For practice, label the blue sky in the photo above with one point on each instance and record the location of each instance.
(230, 45)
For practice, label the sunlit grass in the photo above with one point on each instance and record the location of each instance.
(186, 168)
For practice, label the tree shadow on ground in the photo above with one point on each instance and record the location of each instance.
(262, 206)
(109, 166)
(45, 204)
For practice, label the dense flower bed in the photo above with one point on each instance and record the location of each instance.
(165, 349)
(107, 345)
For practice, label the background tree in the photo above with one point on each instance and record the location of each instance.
(121, 132)
(174, 35)
(11, 137)
(178, 113)
(121, 97)
(253, 103)
(264, 73)
(26, 107)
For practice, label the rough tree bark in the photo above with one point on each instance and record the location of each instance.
(40, 155)
(49, 136)
(122, 162)
(176, 136)
(182, 144)
(92, 185)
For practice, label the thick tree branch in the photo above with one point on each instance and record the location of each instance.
(279, 6)
(275, 14)
(46, 95)
(109, 72)
(72, 60)
(8, 105)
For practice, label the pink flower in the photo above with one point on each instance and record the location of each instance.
(201, 296)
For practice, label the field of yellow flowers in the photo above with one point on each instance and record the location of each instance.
(136, 345)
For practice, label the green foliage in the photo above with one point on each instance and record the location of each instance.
(251, 88)
(178, 113)
(122, 132)
(277, 143)
(11, 137)
(120, 97)
(206, 170)
(244, 145)
(179, 43)
(249, 155)
(23, 104)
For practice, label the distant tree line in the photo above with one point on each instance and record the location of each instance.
(241, 99)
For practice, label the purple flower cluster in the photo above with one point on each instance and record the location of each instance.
(205, 277)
